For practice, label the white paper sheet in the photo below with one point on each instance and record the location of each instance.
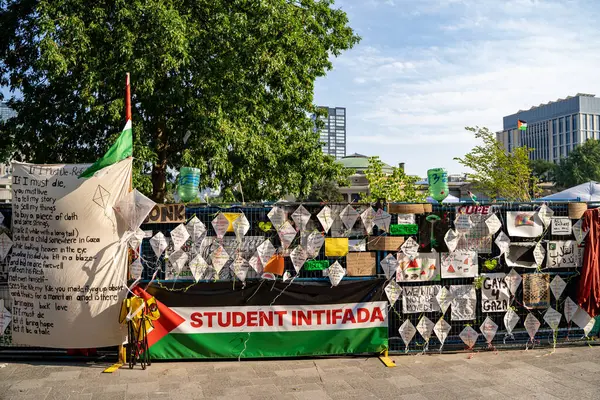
(561, 226)
(495, 295)
(425, 328)
(513, 281)
(524, 224)
(469, 336)
(552, 318)
(451, 239)
(286, 233)
(532, 324)
(464, 302)
(179, 236)
(570, 308)
(459, 264)
(298, 257)
(392, 291)
(410, 247)
(488, 329)
(368, 219)
(442, 329)
(159, 244)
(389, 265)
(382, 220)
(407, 331)
(277, 216)
(336, 273)
(240, 226)
(444, 299)
(557, 286)
(545, 213)
(511, 318)
(493, 223)
(301, 217)
(325, 217)
(220, 224)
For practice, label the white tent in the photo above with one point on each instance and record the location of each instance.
(589, 191)
(449, 199)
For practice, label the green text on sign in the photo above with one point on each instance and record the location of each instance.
(405, 229)
(316, 265)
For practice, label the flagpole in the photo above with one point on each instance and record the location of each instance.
(127, 98)
(122, 354)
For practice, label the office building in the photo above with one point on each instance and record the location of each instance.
(553, 129)
(5, 169)
(333, 131)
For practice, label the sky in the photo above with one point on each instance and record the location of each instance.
(425, 69)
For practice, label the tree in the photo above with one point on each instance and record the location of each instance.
(236, 76)
(496, 173)
(396, 187)
(543, 170)
(580, 166)
(325, 191)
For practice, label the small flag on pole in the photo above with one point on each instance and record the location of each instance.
(120, 150)
(522, 125)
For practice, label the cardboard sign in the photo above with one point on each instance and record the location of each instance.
(166, 214)
(385, 243)
(361, 264)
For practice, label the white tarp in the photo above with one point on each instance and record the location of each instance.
(589, 191)
(68, 265)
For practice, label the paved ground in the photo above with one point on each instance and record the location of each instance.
(572, 373)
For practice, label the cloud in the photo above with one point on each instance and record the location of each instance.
(415, 82)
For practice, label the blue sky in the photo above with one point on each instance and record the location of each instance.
(425, 69)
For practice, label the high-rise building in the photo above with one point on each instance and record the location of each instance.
(553, 129)
(333, 132)
(6, 112)
(5, 169)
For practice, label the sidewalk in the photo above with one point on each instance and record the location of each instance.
(569, 373)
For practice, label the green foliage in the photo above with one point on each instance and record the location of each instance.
(238, 75)
(395, 187)
(543, 170)
(497, 174)
(325, 191)
(582, 165)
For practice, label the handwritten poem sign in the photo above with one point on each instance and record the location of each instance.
(68, 265)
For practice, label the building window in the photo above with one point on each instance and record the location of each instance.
(596, 122)
(585, 126)
(567, 138)
(593, 122)
(554, 130)
(555, 153)
(574, 137)
(560, 139)
(567, 124)
(575, 122)
(560, 125)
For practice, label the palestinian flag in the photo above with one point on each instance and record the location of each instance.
(214, 320)
(521, 125)
(120, 150)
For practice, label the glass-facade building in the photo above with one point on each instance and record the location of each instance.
(554, 129)
(6, 112)
(333, 132)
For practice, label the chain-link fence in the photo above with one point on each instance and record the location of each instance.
(430, 230)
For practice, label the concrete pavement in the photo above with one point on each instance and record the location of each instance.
(569, 373)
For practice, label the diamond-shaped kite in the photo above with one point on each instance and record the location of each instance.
(349, 216)
(301, 217)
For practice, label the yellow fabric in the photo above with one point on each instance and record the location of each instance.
(336, 247)
(145, 314)
(231, 217)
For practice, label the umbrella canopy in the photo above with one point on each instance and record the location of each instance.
(589, 191)
(449, 199)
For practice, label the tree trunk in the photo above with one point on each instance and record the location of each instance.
(159, 169)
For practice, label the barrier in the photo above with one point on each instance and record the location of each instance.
(360, 263)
